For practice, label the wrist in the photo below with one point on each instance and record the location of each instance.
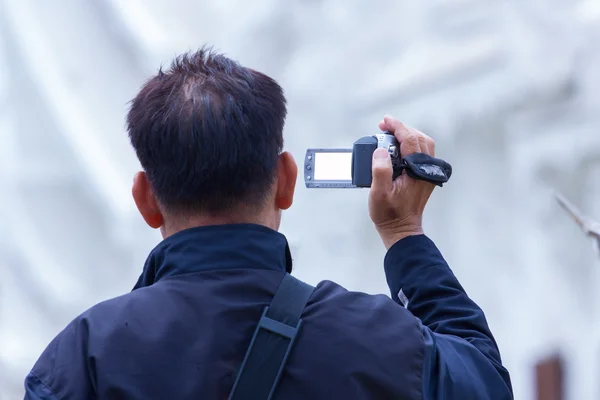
(394, 232)
(390, 240)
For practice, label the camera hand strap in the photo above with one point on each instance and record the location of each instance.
(272, 342)
(427, 168)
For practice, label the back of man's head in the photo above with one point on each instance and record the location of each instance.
(208, 133)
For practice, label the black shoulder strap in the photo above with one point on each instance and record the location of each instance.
(272, 342)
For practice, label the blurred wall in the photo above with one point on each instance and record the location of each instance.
(508, 90)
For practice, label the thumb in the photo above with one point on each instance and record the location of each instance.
(382, 172)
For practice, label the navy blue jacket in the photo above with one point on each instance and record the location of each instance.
(184, 329)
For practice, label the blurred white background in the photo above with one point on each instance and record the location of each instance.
(509, 89)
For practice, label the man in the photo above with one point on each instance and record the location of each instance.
(208, 134)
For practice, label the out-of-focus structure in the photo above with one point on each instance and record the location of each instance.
(588, 226)
(508, 89)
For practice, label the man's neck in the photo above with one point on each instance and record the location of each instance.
(174, 225)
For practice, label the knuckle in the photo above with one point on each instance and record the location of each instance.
(412, 140)
(399, 125)
(425, 142)
(431, 146)
(377, 172)
(412, 137)
(418, 133)
(400, 129)
(415, 131)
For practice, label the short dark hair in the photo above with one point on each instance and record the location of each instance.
(208, 132)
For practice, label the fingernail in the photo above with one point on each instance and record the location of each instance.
(380, 154)
(387, 116)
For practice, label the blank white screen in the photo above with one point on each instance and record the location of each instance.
(333, 167)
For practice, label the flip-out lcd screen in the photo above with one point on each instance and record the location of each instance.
(333, 167)
(328, 168)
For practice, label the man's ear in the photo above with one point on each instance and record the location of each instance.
(286, 181)
(145, 201)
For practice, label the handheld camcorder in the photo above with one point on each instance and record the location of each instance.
(351, 168)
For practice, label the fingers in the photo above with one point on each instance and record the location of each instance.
(411, 140)
(427, 144)
(382, 173)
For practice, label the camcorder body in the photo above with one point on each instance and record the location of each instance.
(351, 168)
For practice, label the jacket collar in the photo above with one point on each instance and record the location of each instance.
(217, 247)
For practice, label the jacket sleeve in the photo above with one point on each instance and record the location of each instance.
(462, 360)
(62, 371)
